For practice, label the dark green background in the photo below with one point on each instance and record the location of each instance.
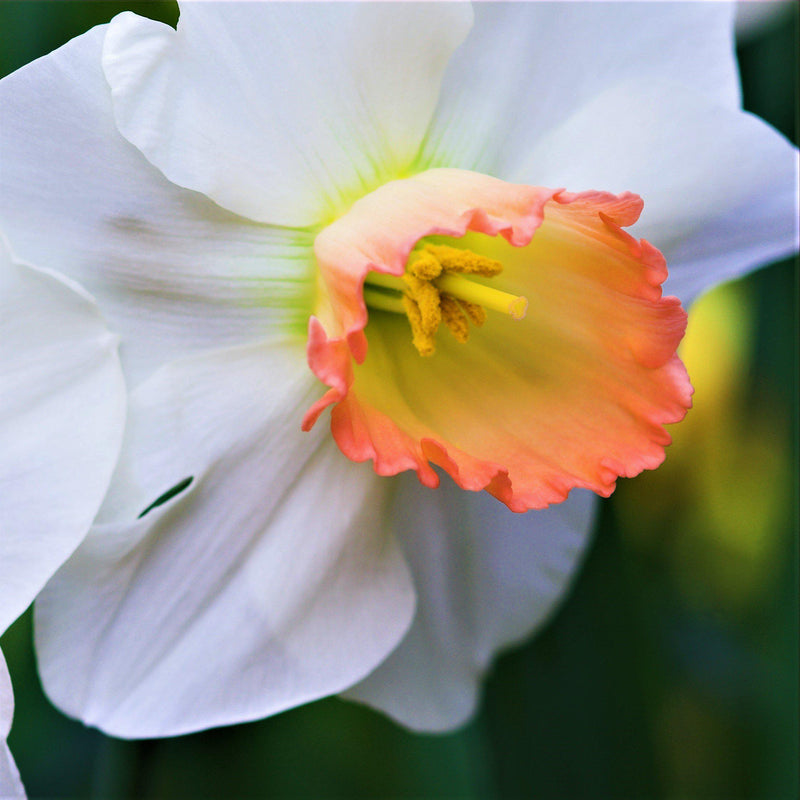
(670, 671)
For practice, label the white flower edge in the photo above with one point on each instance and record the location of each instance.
(173, 273)
(719, 184)
(298, 106)
(528, 67)
(380, 89)
(62, 416)
(485, 579)
(267, 580)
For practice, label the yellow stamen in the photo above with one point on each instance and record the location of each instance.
(435, 290)
(421, 335)
(426, 296)
(476, 313)
(455, 319)
(424, 265)
(464, 261)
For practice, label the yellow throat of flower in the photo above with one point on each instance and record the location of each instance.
(435, 290)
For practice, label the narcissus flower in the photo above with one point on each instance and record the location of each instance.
(62, 415)
(285, 209)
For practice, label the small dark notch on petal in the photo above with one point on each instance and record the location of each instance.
(168, 495)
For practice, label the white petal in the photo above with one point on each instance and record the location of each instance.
(10, 783)
(526, 67)
(62, 412)
(278, 110)
(173, 273)
(268, 582)
(719, 185)
(485, 578)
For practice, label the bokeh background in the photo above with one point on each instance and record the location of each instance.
(671, 671)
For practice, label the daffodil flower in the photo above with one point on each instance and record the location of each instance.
(62, 413)
(413, 217)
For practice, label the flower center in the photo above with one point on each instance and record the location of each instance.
(435, 290)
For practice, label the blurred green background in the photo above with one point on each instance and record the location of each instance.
(671, 670)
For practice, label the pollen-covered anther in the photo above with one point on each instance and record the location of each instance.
(424, 265)
(476, 313)
(424, 320)
(455, 318)
(464, 262)
(435, 289)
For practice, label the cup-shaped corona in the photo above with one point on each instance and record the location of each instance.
(514, 336)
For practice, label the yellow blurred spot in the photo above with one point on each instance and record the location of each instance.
(716, 348)
(716, 509)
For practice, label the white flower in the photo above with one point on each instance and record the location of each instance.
(238, 566)
(62, 412)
